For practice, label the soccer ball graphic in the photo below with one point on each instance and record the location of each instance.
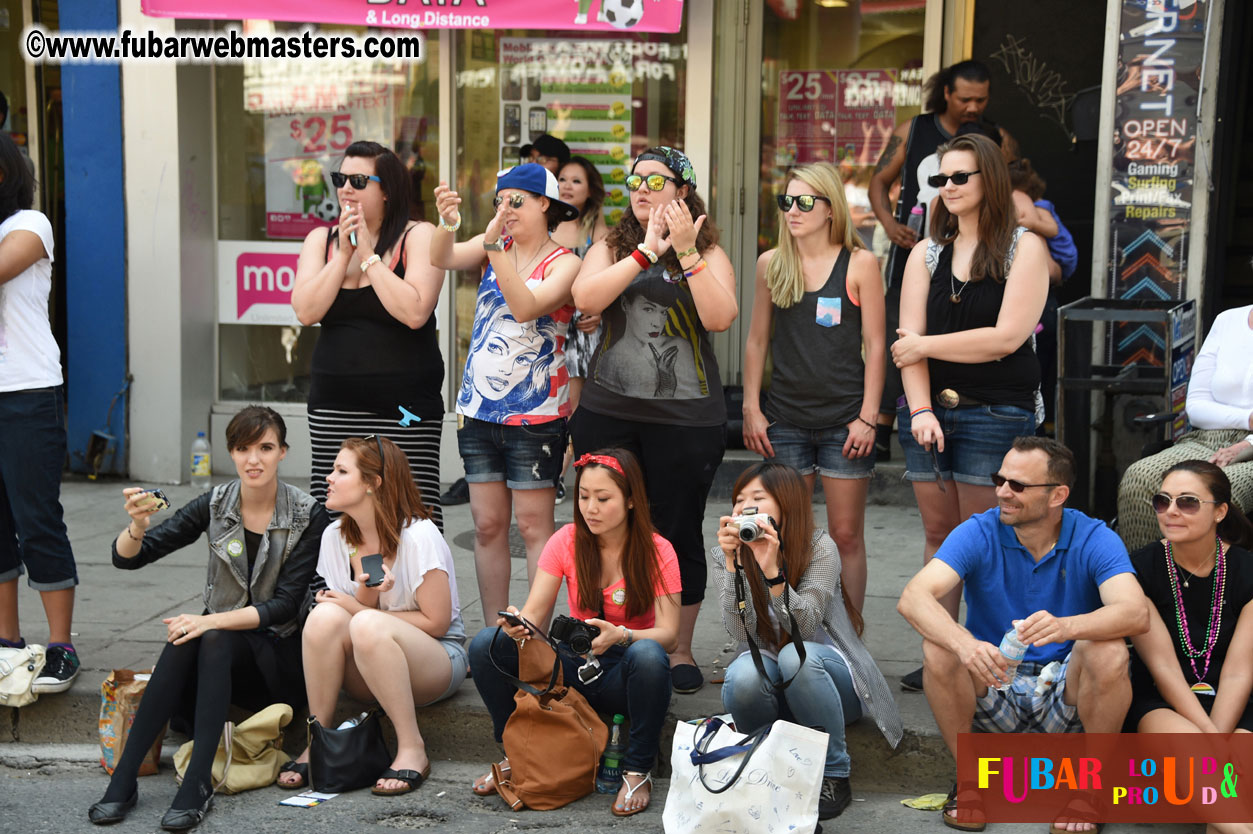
(327, 210)
(622, 14)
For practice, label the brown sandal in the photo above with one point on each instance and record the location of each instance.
(951, 805)
(486, 785)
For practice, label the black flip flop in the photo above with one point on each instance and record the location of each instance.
(301, 769)
(412, 779)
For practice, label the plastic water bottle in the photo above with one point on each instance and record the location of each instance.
(609, 774)
(1014, 651)
(201, 465)
(917, 217)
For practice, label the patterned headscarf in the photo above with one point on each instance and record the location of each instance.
(673, 159)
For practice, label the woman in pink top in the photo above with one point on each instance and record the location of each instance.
(622, 578)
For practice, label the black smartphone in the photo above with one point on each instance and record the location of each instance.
(373, 566)
(513, 619)
(513, 123)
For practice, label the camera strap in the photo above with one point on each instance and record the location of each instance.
(741, 604)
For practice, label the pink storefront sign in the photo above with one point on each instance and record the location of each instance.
(594, 16)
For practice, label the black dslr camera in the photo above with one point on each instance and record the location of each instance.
(578, 635)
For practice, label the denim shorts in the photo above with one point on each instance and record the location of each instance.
(976, 438)
(460, 660)
(524, 457)
(817, 450)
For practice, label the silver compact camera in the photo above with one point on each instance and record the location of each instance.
(751, 524)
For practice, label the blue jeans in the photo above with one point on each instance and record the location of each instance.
(635, 683)
(821, 695)
(32, 453)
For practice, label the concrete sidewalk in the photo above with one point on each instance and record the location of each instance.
(118, 625)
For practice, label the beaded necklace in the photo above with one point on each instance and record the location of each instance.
(1215, 613)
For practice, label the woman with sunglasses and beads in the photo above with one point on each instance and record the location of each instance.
(244, 646)
(623, 578)
(972, 295)
(1220, 411)
(663, 401)
(513, 399)
(399, 641)
(1192, 671)
(818, 309)
(803, 627)
(368, 281)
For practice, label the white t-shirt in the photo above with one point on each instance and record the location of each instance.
(421, 548)
(29, 356)
(1220, 391)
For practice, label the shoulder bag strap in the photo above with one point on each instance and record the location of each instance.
(553, 682)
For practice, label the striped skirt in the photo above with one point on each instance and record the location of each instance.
(420, 443)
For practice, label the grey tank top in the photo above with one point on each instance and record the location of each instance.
(818, 375)
(654, 363)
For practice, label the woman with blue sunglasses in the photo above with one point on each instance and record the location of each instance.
(817, 310)
(661, 285)
(369, 282)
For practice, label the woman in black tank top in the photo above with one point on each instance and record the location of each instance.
(972, 296)
(377, 367)
(818, 307)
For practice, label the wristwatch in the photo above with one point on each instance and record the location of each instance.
(496, 246)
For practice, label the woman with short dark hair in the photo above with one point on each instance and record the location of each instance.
(244, 648)
(369, 283)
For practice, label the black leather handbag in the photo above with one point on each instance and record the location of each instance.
(347, 759)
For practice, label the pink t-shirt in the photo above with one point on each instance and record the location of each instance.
(558, 560)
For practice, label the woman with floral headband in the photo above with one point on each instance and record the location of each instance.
(621, 577)
(662, 284)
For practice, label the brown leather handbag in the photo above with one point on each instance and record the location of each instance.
(554, 739)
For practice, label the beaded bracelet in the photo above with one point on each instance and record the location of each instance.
(648, 253)
(448, 228)
(924, 409)
(369, 262)
(132, 535)
(867, 422)
(701, 264)
(641, 259)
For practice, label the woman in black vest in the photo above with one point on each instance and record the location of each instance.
(972, 296)
(377, 367)
(817, 309)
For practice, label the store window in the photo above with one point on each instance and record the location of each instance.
(835, 83)
(607, 96)
(281, 130)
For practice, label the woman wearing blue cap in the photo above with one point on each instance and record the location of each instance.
(513, 399)
(661, 284)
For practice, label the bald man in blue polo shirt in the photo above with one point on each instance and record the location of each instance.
(1066, 578)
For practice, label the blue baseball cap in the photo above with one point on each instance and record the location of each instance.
(536, 179)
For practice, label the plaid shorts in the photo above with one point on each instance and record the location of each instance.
(1020, 710)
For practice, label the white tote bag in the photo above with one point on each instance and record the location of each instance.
(18, 670)
(726, 782)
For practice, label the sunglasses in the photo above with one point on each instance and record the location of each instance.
(515, 201)
(382, 458)
(1187, 504)
(935, 469)
(959, 178)
(655, 182)
(999, 480)
(359, 181)
(806, 202)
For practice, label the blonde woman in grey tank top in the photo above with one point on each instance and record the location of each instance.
(818, 310)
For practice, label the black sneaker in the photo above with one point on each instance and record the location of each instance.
(60, 670)
(458, 493)
(561, 492)
(913, 681)
(834, 797)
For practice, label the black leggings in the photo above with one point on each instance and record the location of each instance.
(250, 668)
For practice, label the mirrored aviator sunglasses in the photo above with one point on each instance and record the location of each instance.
(655, 182)
(359, 181)
(1187, 504)
(515, 201)
(805, 202)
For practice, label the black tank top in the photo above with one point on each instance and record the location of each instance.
(925, 135)
(366, 360)
(819, 377)
(1008, 381)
